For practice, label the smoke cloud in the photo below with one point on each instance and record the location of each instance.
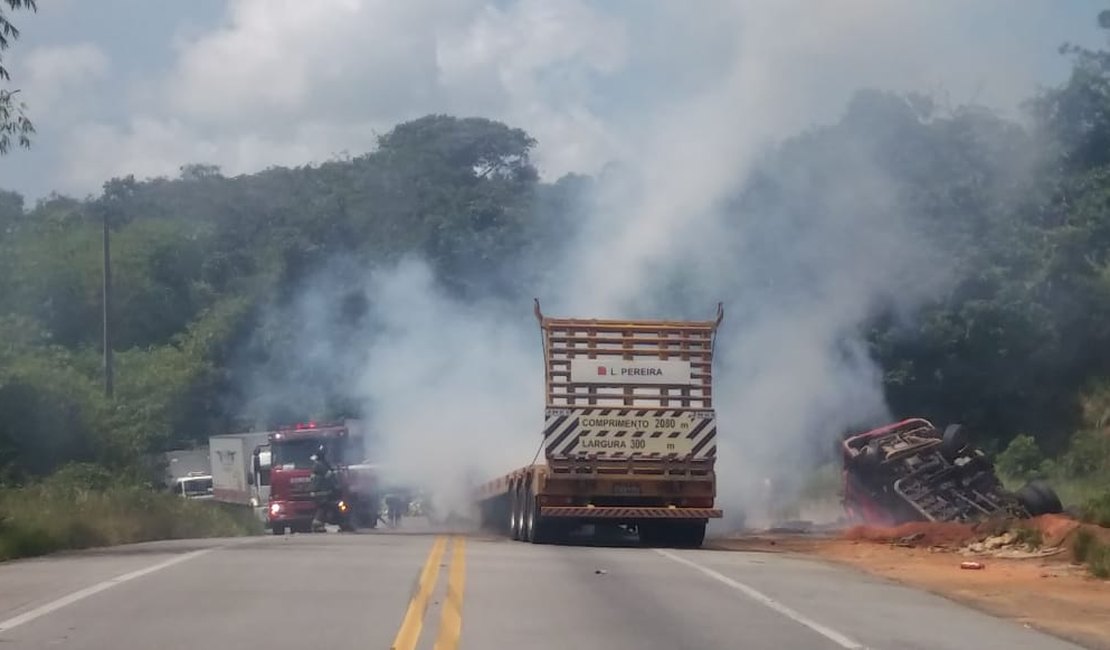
(679, 223)
(454, 389)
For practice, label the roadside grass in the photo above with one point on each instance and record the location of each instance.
(54, 516)
(1090, 551)
(1029, 536)
(1086, 497)
(1096, 509)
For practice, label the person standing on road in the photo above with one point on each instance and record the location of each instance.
(394, 505)
(323, 487)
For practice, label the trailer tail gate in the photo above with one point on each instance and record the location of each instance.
(629, 390)
(629, 435)
(623, 364)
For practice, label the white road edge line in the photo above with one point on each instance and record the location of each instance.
(758, 596)
(55, 605)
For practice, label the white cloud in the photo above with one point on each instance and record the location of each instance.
(49, 74)
(282, 59)
(292, 82)
(533, 63)
(287, 82)
(151, 147)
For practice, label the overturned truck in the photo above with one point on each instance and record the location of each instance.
(913, 471)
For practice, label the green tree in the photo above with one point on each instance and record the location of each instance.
(14, 124)
(1022, 459)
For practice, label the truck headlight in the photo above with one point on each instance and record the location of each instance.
(275, 508)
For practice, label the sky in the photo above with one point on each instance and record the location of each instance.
(119, 87)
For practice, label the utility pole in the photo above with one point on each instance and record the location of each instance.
(107, 307)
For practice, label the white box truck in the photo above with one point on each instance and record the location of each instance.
(236, 477)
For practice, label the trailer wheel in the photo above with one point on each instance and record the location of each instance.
(651, 533)
(528, 526)
(515, 514)
(541, 530)
(689, 535)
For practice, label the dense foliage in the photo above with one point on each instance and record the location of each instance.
(1016, 217)
(15, 127)
(200, 262)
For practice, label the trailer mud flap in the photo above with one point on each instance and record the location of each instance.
(629, 513)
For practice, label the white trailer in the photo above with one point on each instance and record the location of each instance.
(236, 475)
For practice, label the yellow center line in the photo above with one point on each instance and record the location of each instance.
(450, 623)
(409, 632)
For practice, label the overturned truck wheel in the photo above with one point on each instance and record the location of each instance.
(953, 441)
(1039, 499)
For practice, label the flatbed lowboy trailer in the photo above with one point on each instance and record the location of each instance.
(629, 435)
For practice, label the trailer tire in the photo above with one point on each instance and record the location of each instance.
(515, 514)
(541, 530)
(689, 535)
(528, 523)
(651, 533)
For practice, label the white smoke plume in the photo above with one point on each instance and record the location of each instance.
(455, 388)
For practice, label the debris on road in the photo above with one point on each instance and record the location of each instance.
(909, 540)
(993, 543)
(912, 471)
(974, 566)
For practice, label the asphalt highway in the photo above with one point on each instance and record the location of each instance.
(425, 590)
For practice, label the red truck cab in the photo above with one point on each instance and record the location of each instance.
(292, 505)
